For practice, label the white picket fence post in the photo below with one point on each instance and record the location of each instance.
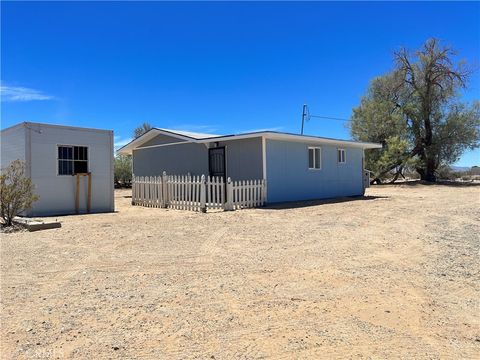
(163, 189)
(229, 200)
(133, 189)
(265, 192)
(203, 207)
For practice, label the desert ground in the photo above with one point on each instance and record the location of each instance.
(394, 274)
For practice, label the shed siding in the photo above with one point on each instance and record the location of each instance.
(289, 178)
(178, 159)
(57, 192)
(244, 158)
(12, 144)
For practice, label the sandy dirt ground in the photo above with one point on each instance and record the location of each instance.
(392, 275)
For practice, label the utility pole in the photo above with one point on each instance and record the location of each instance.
(304, 115)
(307, 116)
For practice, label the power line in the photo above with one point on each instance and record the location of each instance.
(329, 118)
(306, 116)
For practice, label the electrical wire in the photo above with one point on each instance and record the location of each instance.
(306, 116)
(328, 117)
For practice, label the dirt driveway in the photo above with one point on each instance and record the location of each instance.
(393, 275)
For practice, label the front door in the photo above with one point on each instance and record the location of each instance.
(216, 161)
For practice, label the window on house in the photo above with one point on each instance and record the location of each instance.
(341, 156)
(72, 159)
(314, 158)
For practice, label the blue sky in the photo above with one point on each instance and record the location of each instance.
(213, 67)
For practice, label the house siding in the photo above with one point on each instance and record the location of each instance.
(178, 159)
(244, 158)
(290, 179)
(161, 139)
(57, 192)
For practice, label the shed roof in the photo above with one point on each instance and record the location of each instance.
(28, 124)
(193, 137)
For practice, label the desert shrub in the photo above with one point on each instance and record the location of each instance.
(411, 174)
(16, 192)
(446, 173)
(475, 170)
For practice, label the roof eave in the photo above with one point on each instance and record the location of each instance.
(128, 149)
(150, 134)
(322, 140)
(294, 137)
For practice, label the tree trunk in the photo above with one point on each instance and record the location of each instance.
(428, 172)
(397, 174)
(429, 166)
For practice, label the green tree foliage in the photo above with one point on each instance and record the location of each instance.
(123, 170)
(395, 152)
(415, 112)
(139, 131)
(16, 192)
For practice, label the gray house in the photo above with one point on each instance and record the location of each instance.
(296, 167)
(71, 167)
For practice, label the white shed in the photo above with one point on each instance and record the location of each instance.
(61, 161)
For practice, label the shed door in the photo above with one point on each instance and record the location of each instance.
(216, 161)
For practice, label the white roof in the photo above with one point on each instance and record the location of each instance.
(191, 134)
(29, 123)
(192, 137)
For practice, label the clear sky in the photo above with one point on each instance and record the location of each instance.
(213, 67)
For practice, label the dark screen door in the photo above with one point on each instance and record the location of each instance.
(216, 161)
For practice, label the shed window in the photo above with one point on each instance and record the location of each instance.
(314, 158)
(72, 159)
(341, 156)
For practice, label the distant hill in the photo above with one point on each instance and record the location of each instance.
(460, 168)
(475, 170)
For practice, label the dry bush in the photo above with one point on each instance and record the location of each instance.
(16, 192)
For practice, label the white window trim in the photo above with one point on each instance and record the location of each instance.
(308, 153)
(344, 156)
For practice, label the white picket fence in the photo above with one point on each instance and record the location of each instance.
(183, 192)
(197, 193)
(215, 189)
(148, 191)
(248, 194)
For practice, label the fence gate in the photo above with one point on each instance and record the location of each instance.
(197, 193)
